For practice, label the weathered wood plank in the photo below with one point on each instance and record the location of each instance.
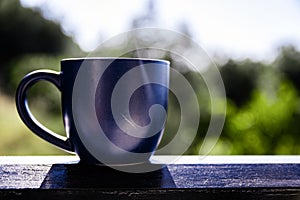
(62, 177)
(178, 176)
(22, 176)
(153, 194)
(236, 175)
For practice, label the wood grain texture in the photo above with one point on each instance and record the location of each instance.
(153, 194)
(71, 180)
(236, 175)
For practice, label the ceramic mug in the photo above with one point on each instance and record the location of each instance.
(114, 109)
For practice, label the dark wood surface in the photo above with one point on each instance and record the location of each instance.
(189, 178)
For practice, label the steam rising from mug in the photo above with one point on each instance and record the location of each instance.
(120, 102)
(114, 109)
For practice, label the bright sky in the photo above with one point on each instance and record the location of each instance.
(238, 29)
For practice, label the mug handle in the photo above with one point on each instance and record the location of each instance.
(28, 118)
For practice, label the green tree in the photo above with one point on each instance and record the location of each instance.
(24, 31)
(288, 63)
(240, 79)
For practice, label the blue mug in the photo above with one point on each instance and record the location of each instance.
(114, 109)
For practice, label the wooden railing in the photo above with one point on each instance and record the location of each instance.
(190, 177)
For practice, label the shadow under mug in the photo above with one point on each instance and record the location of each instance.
(114, 109)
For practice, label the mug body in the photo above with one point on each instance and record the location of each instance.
(114, 109)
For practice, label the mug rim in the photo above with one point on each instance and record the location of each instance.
(114, 58)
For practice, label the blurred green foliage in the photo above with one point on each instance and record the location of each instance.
(28, 41)
(266, 125)
(263, 105)
(243, 74)
(24, 31)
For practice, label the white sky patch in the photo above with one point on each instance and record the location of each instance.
(238, 29)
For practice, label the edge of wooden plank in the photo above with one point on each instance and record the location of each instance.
(247, 159)
(164, 159)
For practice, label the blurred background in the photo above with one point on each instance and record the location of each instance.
(255, 45)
